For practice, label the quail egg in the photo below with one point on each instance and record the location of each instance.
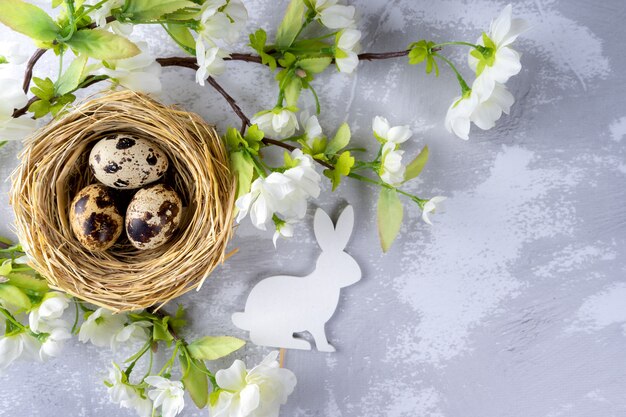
(153, 216)
(95, 219)
(126, 162)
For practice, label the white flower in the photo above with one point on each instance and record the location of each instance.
(283, 193)
(459, 115)
(215, 25)
(504, 62)
(12, 53)
(284, 229)
(13, 97)
(306, 183)
(264, 198)
(48, 314)
(489, 111)
(346, 47)
(280, 123)
(12, 347)
(101, 327)
(385, 133)
(166, 394)
(334, 16)
(210, 62)
(430, 206)
(53, 345)
(312, 128)
(135, 332)
(483, 113)
(125, 395)
(138, 73)
(391, 169)
(100, 15)
(258, 392)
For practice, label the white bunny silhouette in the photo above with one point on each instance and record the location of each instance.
(280, 306)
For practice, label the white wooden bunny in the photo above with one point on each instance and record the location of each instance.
(280, 306)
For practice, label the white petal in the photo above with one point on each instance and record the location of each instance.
(249, 398)
(518, 26)
(380, 125)
(348, 64)
(399, 134)
(233, 378)
(501, 25)
(348, 39)
(337, 17)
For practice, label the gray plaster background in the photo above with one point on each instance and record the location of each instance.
(512, 305)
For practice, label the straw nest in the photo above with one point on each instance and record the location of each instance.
(54, 167)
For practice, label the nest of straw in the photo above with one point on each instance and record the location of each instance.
(54, 167)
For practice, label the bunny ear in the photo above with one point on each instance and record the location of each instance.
(343, 230)
(324, 230)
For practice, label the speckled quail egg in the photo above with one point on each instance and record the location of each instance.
(95, 219)
(126, 162)
(153, 216)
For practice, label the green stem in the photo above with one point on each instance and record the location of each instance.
(439, 45)
(170, 362)
(69, 4)
(90, 8)
(12, 319)
(464, 87)
(258, 167)
(75, 326)
(138, 356)
(385, 185)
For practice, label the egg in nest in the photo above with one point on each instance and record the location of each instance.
(127, 162)
(95, 219)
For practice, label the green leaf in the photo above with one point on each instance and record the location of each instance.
(315, 65)
(10, 294)
(242, 165)
(40, 108)
(340, 141)
(44, 88)
(343, 165)
(418, 52)
(417, 165)
(430, 64)
(196, 381)
(101, 44)
(291, 24)
(142, 10)
(182, 36)
(160, 331)
(28, 19)
(28, 282)
(6, 268)
(292, 91)
(258, 40)
(73, 76)
(390, 213)
(214, 347)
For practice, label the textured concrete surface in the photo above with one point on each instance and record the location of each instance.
(512, 305)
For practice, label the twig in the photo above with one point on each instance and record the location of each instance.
(28, 75)
(374, 56)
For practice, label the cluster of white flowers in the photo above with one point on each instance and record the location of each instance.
(126, 395)
(104, 328)
(488, 98)
(341, 18)
(391, 167)
(46, 320)
(139, 73)
(258, 392)
(281, 193)
(221, 21)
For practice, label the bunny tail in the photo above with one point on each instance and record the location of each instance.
(239, 319)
